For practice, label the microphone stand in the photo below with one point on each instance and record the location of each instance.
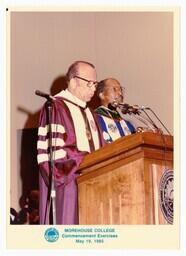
(127, 109)
(147, 121)
(50, 208)
(159, 120)
(152, 122)
(136, 110)
(162, 136)
(119, 110)
(143, 120)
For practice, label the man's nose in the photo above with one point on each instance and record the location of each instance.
(119, 93)
(120, 96)
(93, 88)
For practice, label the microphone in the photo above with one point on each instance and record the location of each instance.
(135, 109)
(44, 95)
(126, 108)
(114, 105)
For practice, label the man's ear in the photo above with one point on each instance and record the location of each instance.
(72, 83)
(101, 95)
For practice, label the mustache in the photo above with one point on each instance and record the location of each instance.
(118, 99)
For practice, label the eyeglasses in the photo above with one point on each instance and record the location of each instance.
(90, 83)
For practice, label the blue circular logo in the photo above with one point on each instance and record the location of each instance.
(51, 235)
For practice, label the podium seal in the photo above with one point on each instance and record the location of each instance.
(167, 195)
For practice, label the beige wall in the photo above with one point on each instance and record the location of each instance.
(134, 47)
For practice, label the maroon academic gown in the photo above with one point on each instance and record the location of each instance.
(65, 169)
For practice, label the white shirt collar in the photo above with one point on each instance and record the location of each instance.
(68, 95)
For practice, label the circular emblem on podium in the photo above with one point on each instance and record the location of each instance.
(167, 195)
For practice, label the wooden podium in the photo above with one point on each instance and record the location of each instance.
(119, 183)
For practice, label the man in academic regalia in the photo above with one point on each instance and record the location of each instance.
(113, 125)
(75, 133)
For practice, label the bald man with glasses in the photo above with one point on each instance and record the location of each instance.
(75, 133)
